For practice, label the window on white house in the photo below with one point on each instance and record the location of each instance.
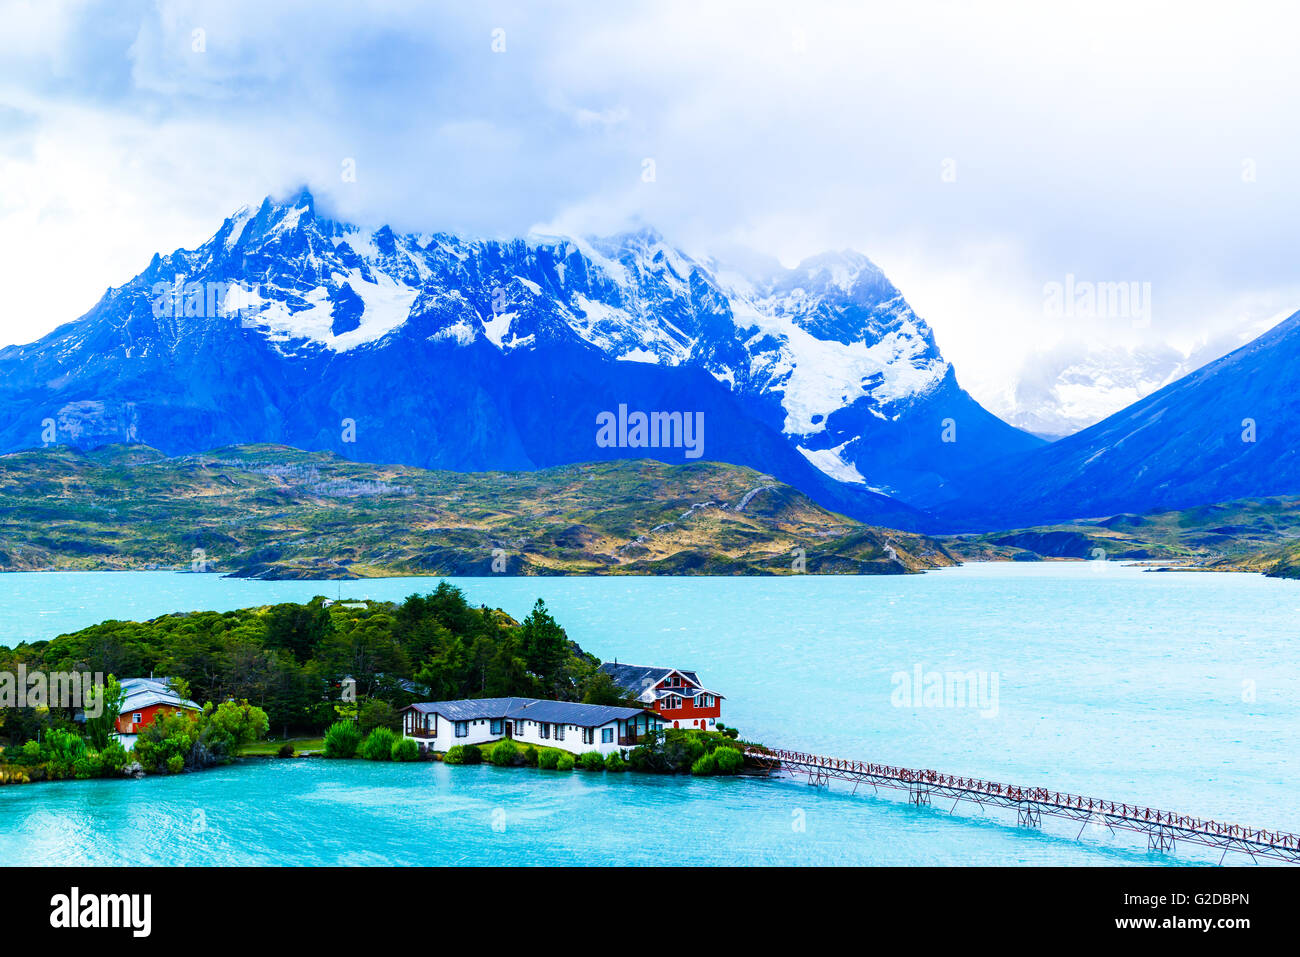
(462, 729)
(606, 735)
(588, 735)
(559, 732)
(543, 729)
(496, 725)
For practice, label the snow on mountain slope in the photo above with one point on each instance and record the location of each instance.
(824, 353)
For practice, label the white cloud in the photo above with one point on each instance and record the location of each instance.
(1103, 140)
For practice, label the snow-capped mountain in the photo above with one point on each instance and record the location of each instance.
(472, 354)
(1075, 385)
(1227, 430)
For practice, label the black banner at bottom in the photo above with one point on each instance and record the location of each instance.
(337, 907)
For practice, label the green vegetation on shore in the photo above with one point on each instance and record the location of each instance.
(334, 673)
(171, 744)
(671, 751)
(276, 512)
(307, 665)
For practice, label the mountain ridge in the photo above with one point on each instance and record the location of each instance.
(1223, 432)
(821, 374)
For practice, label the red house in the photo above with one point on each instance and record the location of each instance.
(145, 699)
(675, 695)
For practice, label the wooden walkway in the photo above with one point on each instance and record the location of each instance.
(1162, 828)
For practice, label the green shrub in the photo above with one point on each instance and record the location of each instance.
(592, 761)
(87, 765)
(377, 713)
(378, 745)
(169, 737)
(342, 740)
(728, 760)
(615, 762)
(675, 751)
(463, 754)
(530, 756)
(113, 758)
(564, 762)
(226, 729)
(175, 764)
(30, 753)
(286, 750)
(505, 754)
(704, 766)
(63, 752)
(547, 759)
(405, 749)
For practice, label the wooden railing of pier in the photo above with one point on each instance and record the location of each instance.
(1163, 828)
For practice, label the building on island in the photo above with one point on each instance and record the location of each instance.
(676, 696)
(440, 725)
(144, 700)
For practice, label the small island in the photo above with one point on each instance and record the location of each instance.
(431, 677)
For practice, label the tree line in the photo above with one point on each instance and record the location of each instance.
(305, 664)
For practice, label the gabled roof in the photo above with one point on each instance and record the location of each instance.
(144, 692)
(471, 709)
(531, 709)
(567, 712)
(638, 679)
(662, 693)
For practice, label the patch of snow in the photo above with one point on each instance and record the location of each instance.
(387, 306)
(831, 462)
(818, 376)
(498, 327)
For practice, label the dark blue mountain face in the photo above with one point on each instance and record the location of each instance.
(1229, 430)
(443, 352)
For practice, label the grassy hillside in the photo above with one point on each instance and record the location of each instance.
(1245, 535)
(276, 512)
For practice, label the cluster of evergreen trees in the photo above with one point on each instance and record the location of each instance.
(298, 662)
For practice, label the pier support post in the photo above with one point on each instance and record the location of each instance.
(1028, 815)
(1161, 839)
(918, 795)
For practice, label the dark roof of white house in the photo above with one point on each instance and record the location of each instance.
(471, 709)
(531, 709)
(583, 715)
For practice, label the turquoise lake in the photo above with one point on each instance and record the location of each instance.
(1175, 690)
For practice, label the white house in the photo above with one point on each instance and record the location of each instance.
(440, 725)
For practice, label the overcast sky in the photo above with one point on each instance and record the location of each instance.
(977, 153)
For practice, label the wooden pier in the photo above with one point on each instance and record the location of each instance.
(1163, 829)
